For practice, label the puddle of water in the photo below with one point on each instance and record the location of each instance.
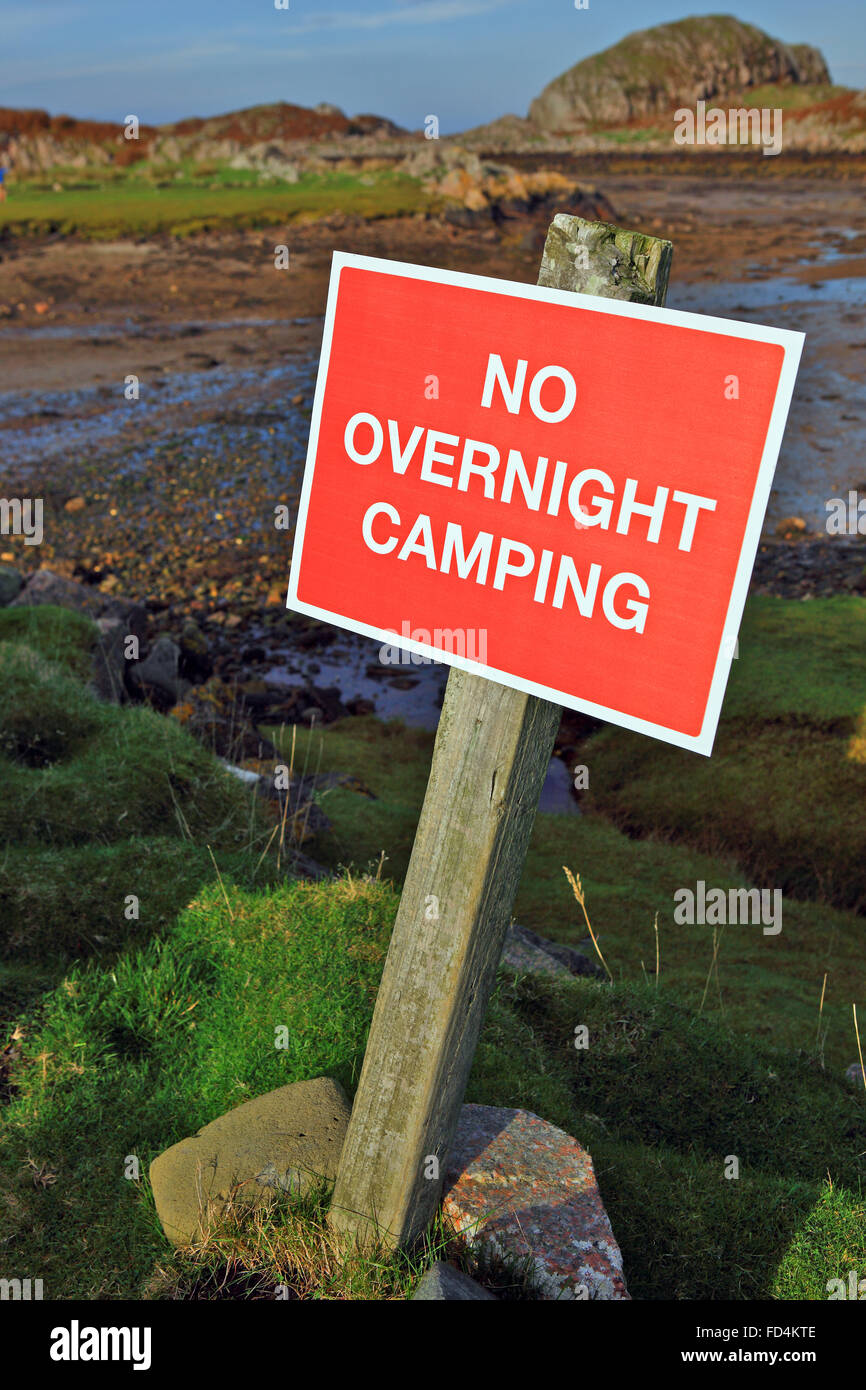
(132, 328)
(99, 419)
(417, 699)
(750, 297)
(829, 255)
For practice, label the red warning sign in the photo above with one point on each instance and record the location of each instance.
(555, 491)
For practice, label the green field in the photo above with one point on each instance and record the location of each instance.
(105, 206)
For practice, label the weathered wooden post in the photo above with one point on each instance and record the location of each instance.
(491, 755)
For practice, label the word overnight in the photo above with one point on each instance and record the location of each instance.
(588, 494)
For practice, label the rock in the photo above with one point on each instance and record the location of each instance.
(109, 660)
(214, 714)
(360, 706)
(127, 610)
(444, 1284)
(11, 584)
(854, 1074)
(46, 587)
(256, 694)
(282, 1141)
(809, 63)
(671, 65)
(296, 704)
(519, 1189)
(157, 677)
(195, 660)
(527, 952)
(524, 957)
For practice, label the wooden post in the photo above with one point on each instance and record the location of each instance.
(490, 759)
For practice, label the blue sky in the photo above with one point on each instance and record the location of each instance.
(465, 61)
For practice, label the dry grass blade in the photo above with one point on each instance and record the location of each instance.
(577, 890)
(221, 884)
(859, 1048)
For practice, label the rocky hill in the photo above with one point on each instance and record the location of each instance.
(671, 65)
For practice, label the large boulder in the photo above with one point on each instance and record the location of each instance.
(519, 1190)
(670, 65)
(283, 1141)
(157, 677)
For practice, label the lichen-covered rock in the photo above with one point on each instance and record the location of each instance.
(519, 1189)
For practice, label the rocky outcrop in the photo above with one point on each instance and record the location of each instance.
(474, 190)
(671, 65)
(34, 141)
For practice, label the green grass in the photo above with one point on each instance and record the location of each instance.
(57, 634)
(140, 206)
(788, 97)
(135, 1032)
(131, 1056)
(785, 788)
(803, 667)
(126, 1059)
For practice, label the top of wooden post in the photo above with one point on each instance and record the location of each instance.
(601, 259)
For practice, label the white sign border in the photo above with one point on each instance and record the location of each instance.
(792, 345)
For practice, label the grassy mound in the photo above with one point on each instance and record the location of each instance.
(785, 788)
(58, 634)
(101, 804)
(45, 714)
